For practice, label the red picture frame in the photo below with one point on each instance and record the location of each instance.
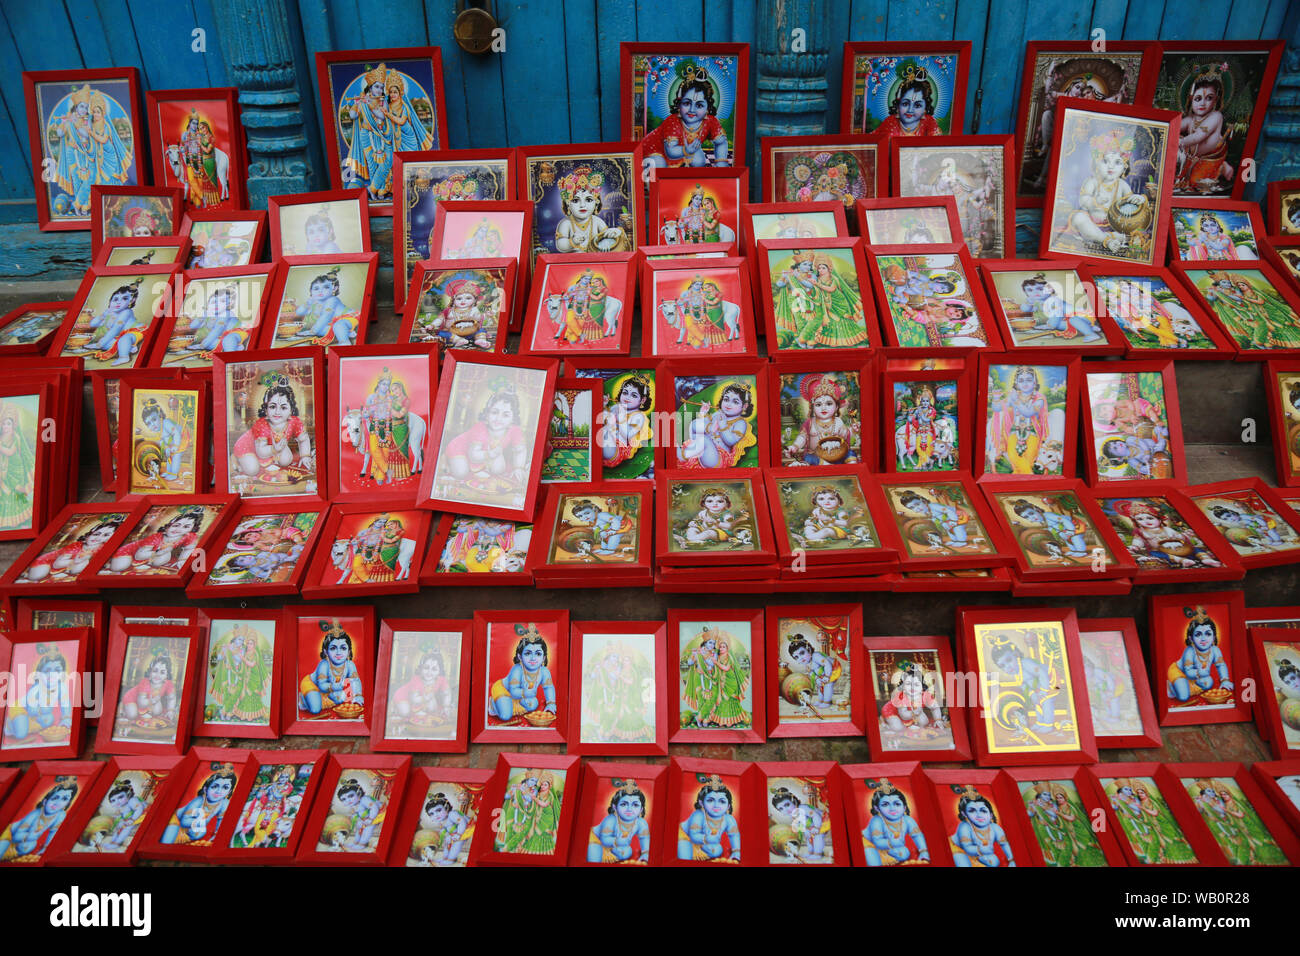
(1165, 553)
(915, 538)
(169, 197)
(391, 770)
(875, 182)
(688, 780)
(38, 614)
(103, 573)
(450, 532)
(611, 739)
(1093, 444)
(558, 531)
(105, 392)
(1281, 411)
(231, 621)
(243, 798)
(201, 257)
(107, 739)
(121, 248)
(1024, 322)
(483, 851)
(1215, 501)
(1277, 215)
(302, 623)
(865, 210)
(1091, 798)
(1216, 208)
(71, 342)
(383, 735)
(324, 267)
(865, 784)
(899, 50)
(276, 207)
(1169, 636)
(1252, 273)
(52, 315)
(237, 159)
(668, 402)
(1285, 842)
(614, 781)
(844, 366)
(1276, 676)
(1066, 422)
(763, 285)
(492, 655)
(517, 209)
(183, 802)
(950, 788)
(334, 571)
(171, 345)
(730, 183)
(928, 379)
(199, 451)
(65, 374)
(849, 521)
(545, 335)
(749, 621)
(803, 806)
(816, 691)
(269, 549)
(41, 492)
(893, 651)
(802, 223)
(572, 458)
(413, 820)
(24, 655)
(737, 340)
(415, 330)
(1269, 774)
(23, 796)
(673, 484)
(106, 526)
(1125, 629)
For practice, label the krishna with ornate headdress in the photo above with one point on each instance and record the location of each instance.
(369, 161)
(582, 229)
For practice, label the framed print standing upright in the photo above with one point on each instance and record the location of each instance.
(805, 813)
(696, 206)
(217, 310)
(891, 817)
(977, 171)
(715, 662)
(710, 805)
(422, 688)
(1119, 696)
(1132, 427)
(336, 295)
(326, 223)
(1282, 209)
(697, 307)
(44, 717)
(1244, 825)
(1216, 229)
(521, 677)
(905, 221)
(815, 676)
(149, 691)
(1282, 386)
(351, 821)
(220, 239)
(439, 817)
(39, 805)
(121, 212)
(240, 673)
(976, 812)
(198, 145)
(931, 303)
(717, 407)
(1057, 812)
(618, 694)
(533, 799)
(1199, 657)
(909, 679)
(1275, 655)
(463, 304)
(1027, 417)
(904, 88)
(488, 229)
(811, 295)
(115, 315)
(329, 670)
(1150, 819)
(625, 802)
(842, 169)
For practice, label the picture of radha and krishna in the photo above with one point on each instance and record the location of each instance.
(530, 812)
(816, 299)
(86, 140)
(384, 424)
(716, 685)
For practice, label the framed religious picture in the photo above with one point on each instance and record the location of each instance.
(977, 171)
(842, 169)
(328, 681)
(375, 104)
(1279, 779)
(1119, 696)
(193, 802)
(492, 550)
(585, 196)
(898, 221)
(783, 220)
(889, 810)
(626, 419)
(1216, 229)
(691, 250)
(572, 455)
(1121, 73)
(465, 304)
(319, 224)
(219, 240)
(918, 706)
(1250, 517)
(39, 805)
(240, 673)
(685, 103)
(904, 89)
(121, 212)
(581, 303)
(264, 550)
(697, 206)
(84, 129)
(695, 308)
(822, 412)
(270, 433)
(1275, 656)
(1245, 827)
(1132, 428)
(926, 419)
(816, 684)
(1168, 537)
(198, 145)
(165, 451)
(1282, 207)
(931, 303)
(821, 519)
(712, 518)
(1110, 182)
(618, 694)
(1253, 302)
(1282, 386)
(595, 534)
(56, 562)
(811, 295)
(942, 524)
(1156, 311)
(1058, 810)
(29, 329)
(621, 816)
(424, 179)
(41, 614)
(274, 793)
(115, 315)
(382, 398)
(710, 803)
(715, 658)
(367, 550)
(1027, 417)
(1032, 677)
(26, 412)
(716, 408)
(353, 819)
(488, 456)
(976, 812)
(320, 300)
(166, 545)
(218, 310)
(1047, 304)
(46, 702)
(1199, 657)
(533, 800)
(422, 686)
(149, 691)
(488, 229)
(143, 251)
(1221, 90)
(439, 816)
(521, 677)
(805, 813)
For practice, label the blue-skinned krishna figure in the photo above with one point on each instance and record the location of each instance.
(893, 836)
(710, 833)
(623, 836)
(333, 688)
(526, 694)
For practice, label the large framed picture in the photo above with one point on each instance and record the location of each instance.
(198, 145)
(909, 88)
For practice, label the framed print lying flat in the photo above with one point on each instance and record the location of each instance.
(621, 816)
(890, 812)
(533, 798)
(618, 698)
(978, 171)
(1199, 657)
(439, 816)
(422, 690)
(715, 659)
(329, 670)
(1119, 694)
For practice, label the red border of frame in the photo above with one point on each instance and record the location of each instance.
(459, 743)
(238, 160)
(822, 142)
(578, 633)
(1271, 498)
(855, 726)
(1150, 737)
(117, 645)
(275, 203)
(290, 723)
(902, 48)
(1237, 658)
(271, 730)
(956, 711)
(483, 679)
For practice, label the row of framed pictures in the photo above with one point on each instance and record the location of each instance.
(313, 807)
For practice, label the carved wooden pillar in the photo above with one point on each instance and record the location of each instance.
(791, 72)
(1279, 154)
(258, 49)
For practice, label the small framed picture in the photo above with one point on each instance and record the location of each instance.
(938, 525)
(352, 821)
(1250, 517)
(106, 386)
(1057, 809)
(718, 518)
(1253, 303)
(40, 614)
(425, 178)
(1132, 426)
(192, 805)
(931, 303)
(198, 145)
(697, 308)
(978, 171)
(143, 251)
(1282, 208)
(366, 551)
(1169, 538)
(581, 303)
(810, 291)
(488, 550)
(824, 219)
(1245, 827)
(488, 229)
(166, 449)
(321, 300)
(822, 412)
(714, 659)
(329, 670)
(122, 212)
(1275, 652)
(1027, 417)
(115, 315)
(264, 550)
(625, 423)
(150, 690)
(716, 408)
(270, 433)
(1156, 312)
(816, 685)
(710, 805)
(39, 804)
(697, 205)
(45, 717)
(890, 812)
(904, 89)
(273, 796)
(57, 560)
(918, 714)
(618, 704)
(572, 453)
(599, 535)
(85, 127)
(805, 813)
(1119, 695)
(916, 220)
(1218, 229)
(439, 816)
(533, 798)
(164, 546)
(521, 670)
(108, 825)
(25, 413)
(1042, 717)
(1199, 657)
(927, 413)
(622, 814)
(422, 686)
(1282, 386)
(1151, 829)
(1047, 304)
(821, 518)
(976, 810)
(494, 415)
(240, 674)
(220, 240)
(29, 329)
(1279, 779)
(843, 169)
(685, 103)
(221, 310)
(464, 304)
(319, 224)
